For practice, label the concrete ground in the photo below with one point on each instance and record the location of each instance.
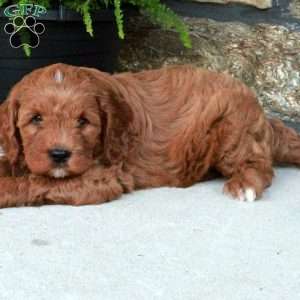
(185, 244)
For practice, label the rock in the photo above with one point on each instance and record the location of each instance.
(262, 4)
(266, 57)
(295, 8)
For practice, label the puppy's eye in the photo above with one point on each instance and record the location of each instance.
(36, 119)
(82, 121)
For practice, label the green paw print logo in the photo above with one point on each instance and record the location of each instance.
(24, 27)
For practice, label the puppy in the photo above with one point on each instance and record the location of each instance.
(74, 135)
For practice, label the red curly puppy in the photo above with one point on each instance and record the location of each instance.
(72, 135)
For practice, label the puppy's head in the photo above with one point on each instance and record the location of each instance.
(62, 120)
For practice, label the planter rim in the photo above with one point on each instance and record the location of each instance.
(67, 15)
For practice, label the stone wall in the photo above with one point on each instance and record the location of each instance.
(264, 56)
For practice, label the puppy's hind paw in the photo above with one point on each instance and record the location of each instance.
(250, 194)
(239, 191)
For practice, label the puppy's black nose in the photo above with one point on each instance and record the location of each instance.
(59, 155)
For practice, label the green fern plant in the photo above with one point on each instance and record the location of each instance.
(119, 18)
(162, 15)
(157, 12)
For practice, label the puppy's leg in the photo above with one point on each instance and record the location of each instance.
(5, 169)
(286, 143)
(14, 191)
(249, 171)
(245, 154)
(96, 186)
(249, 180)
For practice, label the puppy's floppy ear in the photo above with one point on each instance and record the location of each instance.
(9, 136)
(116, 115)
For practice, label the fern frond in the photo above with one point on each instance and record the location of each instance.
(84, 8)
(106, 2)
(25, 39)
(20, 2)
(158, 13)
(165, 17)
(27, 50)
(87, 18)
(119, 18)
(2, 2)
(44, 3)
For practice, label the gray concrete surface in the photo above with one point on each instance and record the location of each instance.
(170, 244)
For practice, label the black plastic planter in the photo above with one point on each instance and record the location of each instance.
(64, 40)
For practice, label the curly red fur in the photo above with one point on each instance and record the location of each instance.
(169, 127)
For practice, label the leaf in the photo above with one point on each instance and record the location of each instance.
(165, 17)
(119, 18)
(2, 2)
(87, 18)
(25, 39)
(27, 50)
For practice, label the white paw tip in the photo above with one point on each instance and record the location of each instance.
(250, 195)
(241, 196)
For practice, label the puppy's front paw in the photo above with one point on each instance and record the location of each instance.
(240, 190)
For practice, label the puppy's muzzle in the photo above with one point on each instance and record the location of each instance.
(59, 155)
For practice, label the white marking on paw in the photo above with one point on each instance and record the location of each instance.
(250, 194)
(58, 76)
(59, 173)
(2, 152)
(241, 195)
(247, 195)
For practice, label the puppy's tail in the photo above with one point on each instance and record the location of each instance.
(286, 143)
